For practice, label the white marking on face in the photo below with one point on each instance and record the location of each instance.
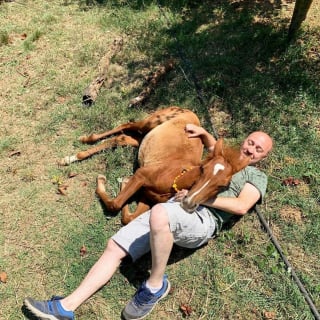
(217, 168)
(197, 192)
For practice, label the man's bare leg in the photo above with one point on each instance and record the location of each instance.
(161, 242)
(98, 276)
(157, 286)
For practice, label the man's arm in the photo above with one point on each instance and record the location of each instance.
(207, 139)
(247, 198)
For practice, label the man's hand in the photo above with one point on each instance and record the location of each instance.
(194, 131)
(180, 195)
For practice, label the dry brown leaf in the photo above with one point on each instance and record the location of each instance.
(62, 189)
(269, 315)
(83, 251)
(72, 174)
(3, 277)
(172, 289)
(186, 310)
(290, 181)
(15, 153)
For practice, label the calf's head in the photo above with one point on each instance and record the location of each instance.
(215, 175)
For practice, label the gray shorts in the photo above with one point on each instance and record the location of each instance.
(189, 230)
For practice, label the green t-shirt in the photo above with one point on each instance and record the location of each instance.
(249, 174)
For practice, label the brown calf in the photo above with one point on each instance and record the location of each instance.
(168, 161)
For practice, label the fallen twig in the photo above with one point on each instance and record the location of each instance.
(152, 82)
(91, 92)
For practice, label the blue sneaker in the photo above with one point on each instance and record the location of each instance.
(144, 301)
(48, 310)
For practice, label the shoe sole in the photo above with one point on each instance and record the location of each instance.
(163, 296)
(36, 312)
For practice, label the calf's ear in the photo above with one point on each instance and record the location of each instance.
(235, 158)
(231, 155)
(218, 148)
(238, 163)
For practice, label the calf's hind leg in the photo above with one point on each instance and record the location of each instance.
(116, 204)
(141, 127)
(121, 140)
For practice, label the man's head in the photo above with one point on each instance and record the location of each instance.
(257, 146)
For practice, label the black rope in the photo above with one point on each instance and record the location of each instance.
(288, 265)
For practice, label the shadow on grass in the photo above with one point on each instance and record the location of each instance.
(138, 271)
(236, 51)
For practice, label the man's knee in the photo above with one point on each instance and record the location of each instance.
(114, 248)
(159, 217)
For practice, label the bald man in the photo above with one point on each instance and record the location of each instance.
(162, 226)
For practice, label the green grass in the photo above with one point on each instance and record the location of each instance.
(238, 61)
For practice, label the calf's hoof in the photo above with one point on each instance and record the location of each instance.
(67, 160)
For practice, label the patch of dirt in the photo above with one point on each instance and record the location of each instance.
(303, 189)
(291, 214)
(313, 15)
(312, 19)
(219, 118)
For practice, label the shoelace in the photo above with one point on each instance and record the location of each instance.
(143, 296)
(52, 301)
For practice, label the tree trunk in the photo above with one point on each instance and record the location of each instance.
(300, 11)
